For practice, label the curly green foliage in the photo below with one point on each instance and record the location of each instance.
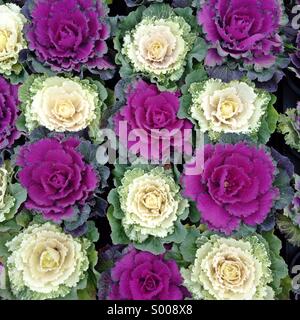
(12, 195)
(183, 25)
(289, 229)
(145, 233)
(278, 265)
(290, 128)
(289, 222)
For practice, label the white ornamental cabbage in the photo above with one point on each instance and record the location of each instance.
(11, 37)
(151, 203)
(234, 107)
(230, 269)
(159, 47)
(61, 104)
(46, 263)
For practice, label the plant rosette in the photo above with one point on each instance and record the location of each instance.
(71, 36)
(146, 122)
(244, 267)
(237, 107)
(289, 222)
(289, 126)
(64, 182)
(12, 41)
(63, 104)
(245, 38)
(130, 274)
(146, 207)
(42, 262)
(159, 43)
(237, 185)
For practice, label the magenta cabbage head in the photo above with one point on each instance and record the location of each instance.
(247, 30)
(8, 113)
(235, 186)
(145, 276)
(150, 116)
(69, 34)
(55, 176)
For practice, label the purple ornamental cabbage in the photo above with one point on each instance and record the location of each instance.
(69, 34)
(242, 29)
(55, 176)
(235, 186)
(8, 113)
(154, 112)
(145, 276)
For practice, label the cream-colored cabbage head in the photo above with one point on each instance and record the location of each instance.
(63, 104)
(157, 46)
(45, 262)
(11, 37)
(233, 107)
(151, 203)
(229, 269)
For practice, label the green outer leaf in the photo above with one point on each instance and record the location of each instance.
(282, 182)
(21, 123)
(4, 238)
(286, 126)
(90, 291)
(197, 53)
(198, 74)
(268, 123)
(152, 244)
(290, 231)
(118, 173)
(20, 195)
(184, 110)
(92, 233)
(24, 90)
(189, 17)
(278, 266)
(24, 218)
(40, 68)
(194, 215)
(189, 247)
(159, 11)
(179, 234)
(286, 285)
(175, 254)
(18, 77)
(118, 235)
(113, 199)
